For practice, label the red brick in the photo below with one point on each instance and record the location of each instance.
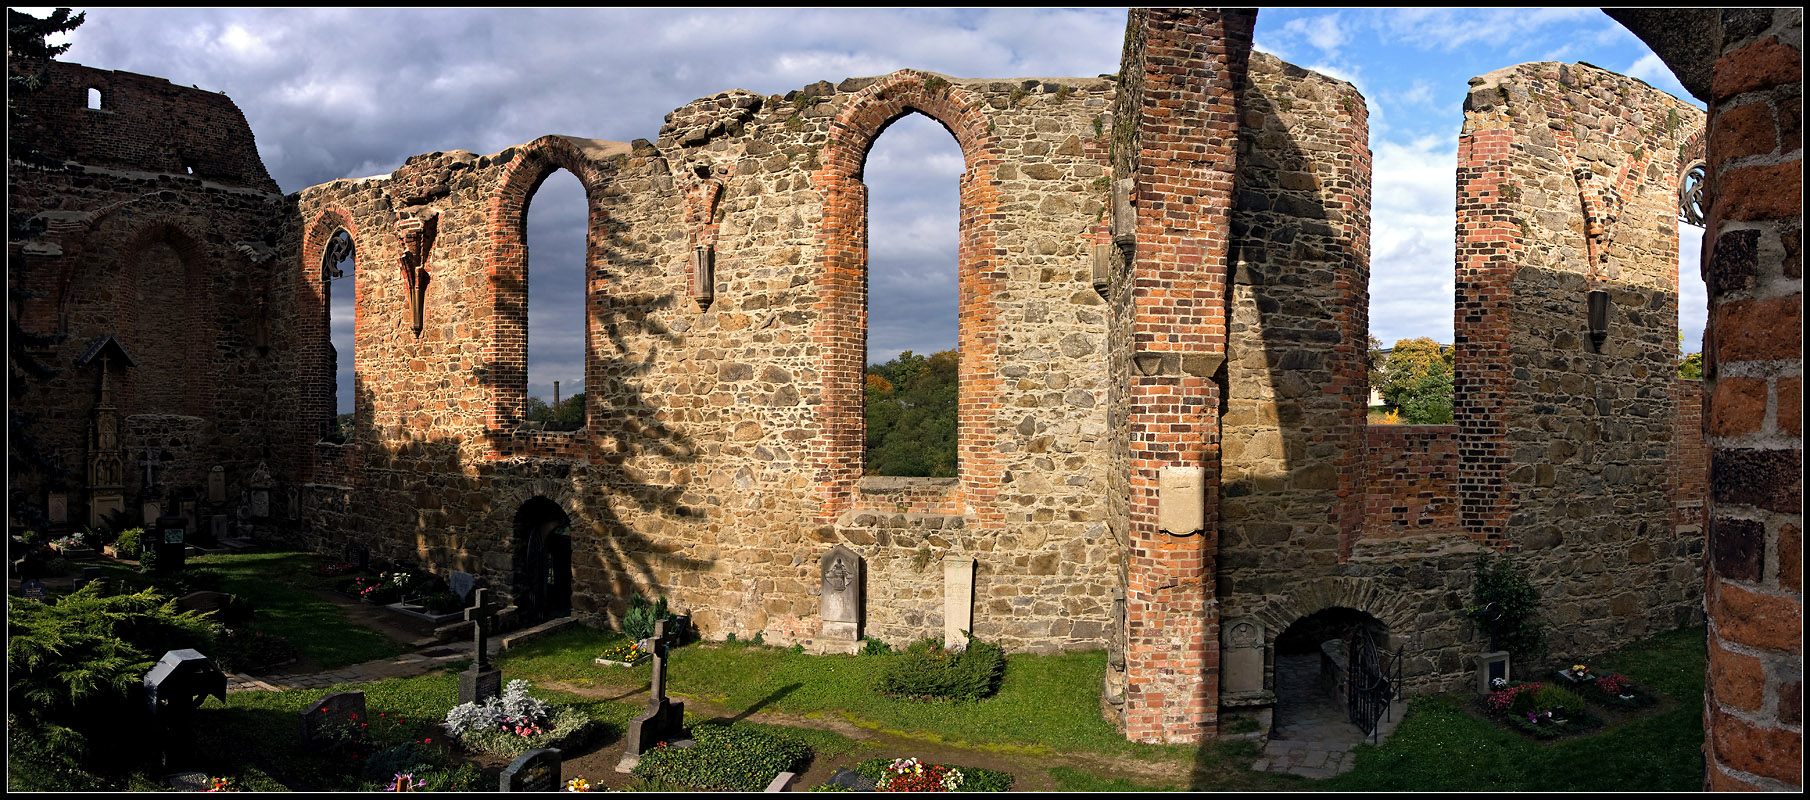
(1719, 782)
(1789, 414)
(1738, 407)
(1743, 131)
(1736, 680)
(1762, 191)
(1758, 750)
(1759, 330)
(1760, 65)
(1756, 620)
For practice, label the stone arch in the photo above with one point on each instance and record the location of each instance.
(1395, 610)
(541, 540)
(313, 320)
(195, 316)
(507, 353)
(841, 329)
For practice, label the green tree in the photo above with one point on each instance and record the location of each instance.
(1504, 601)
(911, 415)
(1418, 380)
(1376, 360)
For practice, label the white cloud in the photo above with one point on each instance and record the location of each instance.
(1324, 32)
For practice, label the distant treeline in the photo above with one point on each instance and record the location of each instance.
(911, 416)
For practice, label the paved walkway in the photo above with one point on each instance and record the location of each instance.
(1312, 736)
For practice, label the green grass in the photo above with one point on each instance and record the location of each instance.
(1046, 704)
(1069, 779)
(1440, 746)
(276, 584)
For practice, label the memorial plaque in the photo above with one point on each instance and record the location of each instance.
(171, 541)
(32, 589)
(58, 508)
(1242, 656)
(217, 526)
(461, 583)
(152, 510)
(260, 504)
(533, 771)
(841, 598)
(958, 601)
(323, 722)
(216, 485)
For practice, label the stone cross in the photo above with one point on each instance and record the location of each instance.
(150, 463)
(663, 719)
(480, 615)
(662, 641)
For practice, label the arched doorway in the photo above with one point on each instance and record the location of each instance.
(543, 560)
(1336, 674)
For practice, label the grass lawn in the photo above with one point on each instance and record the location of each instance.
(276, 585)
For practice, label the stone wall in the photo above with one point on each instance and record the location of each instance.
(717, 466)
(1568, 182)
(114, 236)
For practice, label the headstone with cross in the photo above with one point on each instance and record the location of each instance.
(480, 682)
(663, 719)
(150, 462)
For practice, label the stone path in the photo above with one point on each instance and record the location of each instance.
(406, 665)
(1312, 736)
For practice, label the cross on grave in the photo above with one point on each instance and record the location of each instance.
(480, 682)
(150, 462)
(663, 718)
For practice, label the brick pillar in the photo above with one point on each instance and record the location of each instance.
(1753, 351)
(1185, 115)
(1488, 250)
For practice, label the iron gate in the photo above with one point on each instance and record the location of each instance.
(1372, 680)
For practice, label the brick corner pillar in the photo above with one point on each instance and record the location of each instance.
(1753, 718)
(1488, 248)
(1183, 104)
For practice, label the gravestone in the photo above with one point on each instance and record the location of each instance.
(533, 771)
(152, 510)
(171, 543)
(461, 583)
(260, 492)
(177, 685)
(841, 599)
(323, 722)
(203, 601)
(958, 601)
(217, 527)
(189, 781)
(89, 574)
(59, 508)
(1241, 657)
(852, 780)
(216, 485)
(480, 682)
(358, 556)
(1491, 666)
(295, 503)
(191, 519)
(32, 589)
(663, 719)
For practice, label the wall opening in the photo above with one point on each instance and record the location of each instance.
(94, 98)
(339, 277)
(1322, 662)
(543, 557)
(556, 303)
(913, 173)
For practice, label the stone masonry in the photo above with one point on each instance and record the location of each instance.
(1163, 282)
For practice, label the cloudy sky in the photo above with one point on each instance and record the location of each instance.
(338, 93)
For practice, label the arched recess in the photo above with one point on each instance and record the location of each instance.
(1279, 611)
(841, 329)
(542, 583)
(507, 352)
(171, 335)
(315, 370)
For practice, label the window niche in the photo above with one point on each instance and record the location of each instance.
(339, 287)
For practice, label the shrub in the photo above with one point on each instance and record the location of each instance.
(515, 723)
(727, 758)
(928, 671)
(638, 622)
(1502, 591)
(1549, 697)
(874, 647)
(129, 543)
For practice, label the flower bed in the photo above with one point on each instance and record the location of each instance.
(912, 775)
(1540, 709)
(627, 654)
(1616, 691)
(515, 723)
(727, 758)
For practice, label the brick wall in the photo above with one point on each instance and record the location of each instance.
(1753, 265)
(1410, 472)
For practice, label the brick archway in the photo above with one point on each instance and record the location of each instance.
(507, 351)
(841, 329)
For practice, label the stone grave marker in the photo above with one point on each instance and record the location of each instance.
(59, 508)
(188, 781)
(217, 526)
(358, 555)
(32, 589)
(90, 573)
(295, 503)
(958, 601)
(1491, 666)
(323, 721)
(841, 599)
(663, 719)
(216, 484)
(177, 685)
(461, 583)
(152, 510)
(171, 543)
(533, 771)
(203, 601)
(260, 491)
(1242, 657)
(852, 780)
(480, 682)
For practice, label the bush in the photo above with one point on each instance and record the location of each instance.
(727, 758)
(1501, 591)
(638, 622)
(927, 671)
(874, 647)
(515, 723)
(129, 543)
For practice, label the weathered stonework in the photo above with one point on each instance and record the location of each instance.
(1166, 270)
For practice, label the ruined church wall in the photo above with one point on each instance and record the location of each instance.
(118, 239)
(1567, 185)
(695, 478)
